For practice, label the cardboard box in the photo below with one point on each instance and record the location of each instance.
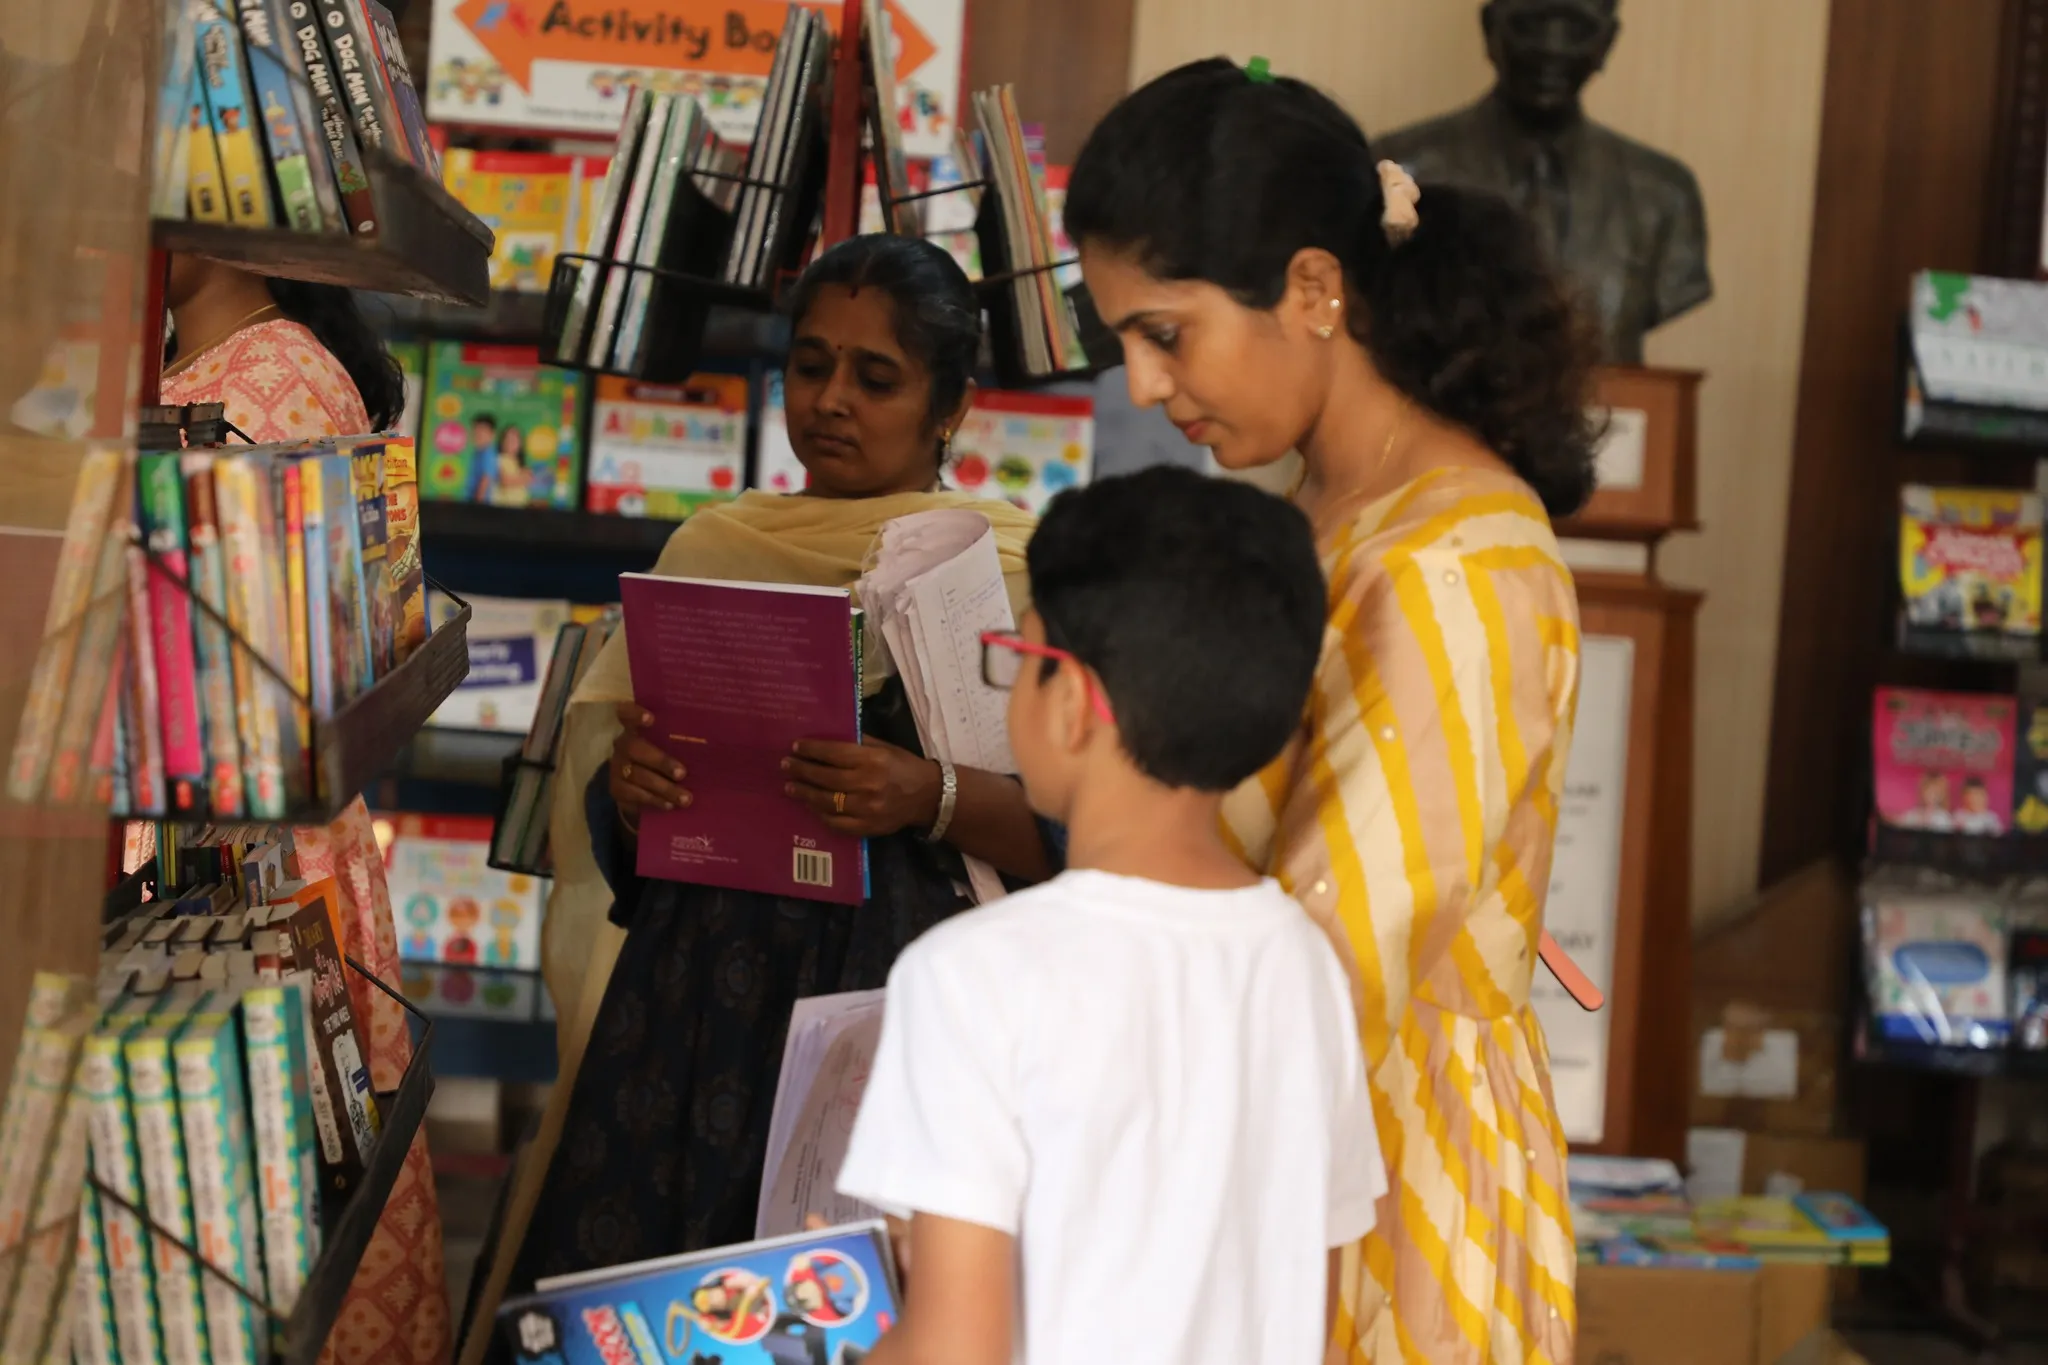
(1724, 1162)
(1630, 1316)
(1765, 1069)
(1787, 949)
(1769, 994)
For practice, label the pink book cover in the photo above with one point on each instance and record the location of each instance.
(1944, 760)
(734, 674)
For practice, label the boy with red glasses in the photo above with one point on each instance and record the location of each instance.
(1126, 1111)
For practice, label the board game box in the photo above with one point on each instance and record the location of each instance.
(1944, 761)
(1970, 559)
(817, 1298)
(501, 428)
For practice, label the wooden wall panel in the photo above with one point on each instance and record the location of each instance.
(1069, 60)
(1733, 89)
(1908, 137)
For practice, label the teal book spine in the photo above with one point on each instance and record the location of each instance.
(214, 1115)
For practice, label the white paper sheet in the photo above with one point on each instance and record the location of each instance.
(825, 1067)
(936, 585)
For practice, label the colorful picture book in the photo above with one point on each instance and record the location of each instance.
(1970, 559)
(452, 906)
(1024, 448)
(509, 641)
(776, 467)
(501, 428)
(816, 1296)
(534, 201)
(1944, 761)
(666, 450)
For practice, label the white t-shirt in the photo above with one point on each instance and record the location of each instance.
(1158, 1091)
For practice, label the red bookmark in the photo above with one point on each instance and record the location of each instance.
(1576, 983)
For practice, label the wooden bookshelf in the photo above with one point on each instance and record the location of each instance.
(427, 244)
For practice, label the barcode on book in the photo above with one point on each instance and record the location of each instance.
(812, 868)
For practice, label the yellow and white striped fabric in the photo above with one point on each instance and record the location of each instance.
(1414, 817)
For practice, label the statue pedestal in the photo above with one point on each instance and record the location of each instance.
(1620, 898)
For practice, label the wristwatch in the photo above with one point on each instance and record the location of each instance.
(949, 798)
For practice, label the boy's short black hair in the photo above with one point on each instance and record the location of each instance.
(1199, 602)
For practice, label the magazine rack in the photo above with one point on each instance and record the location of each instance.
(685, 283)
(999, 274)
(543, 863)
(344, 750)
(297, 1338)
(426, 245)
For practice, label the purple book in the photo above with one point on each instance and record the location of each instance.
(734, 674)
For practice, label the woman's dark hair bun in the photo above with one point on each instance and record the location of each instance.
(1207, 174)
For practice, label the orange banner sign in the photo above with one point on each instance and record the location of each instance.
(736, 37)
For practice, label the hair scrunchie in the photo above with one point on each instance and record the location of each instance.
(1398, 188)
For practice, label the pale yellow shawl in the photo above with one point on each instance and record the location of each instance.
(759, 538)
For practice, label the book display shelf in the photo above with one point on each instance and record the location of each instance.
(425, 246)
(1957, 768)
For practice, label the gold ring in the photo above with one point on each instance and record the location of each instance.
(626, 771)
(839, 803)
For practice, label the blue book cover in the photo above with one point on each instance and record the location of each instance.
(286, 130)
(813, 1297)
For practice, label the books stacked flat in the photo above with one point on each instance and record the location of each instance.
(212, 1077)
(212, 590)
(655, 211)
(1830, 1228)
(1634, 1212)
(1046, 332)
(772, 219)
(521, 838)
(266, 108)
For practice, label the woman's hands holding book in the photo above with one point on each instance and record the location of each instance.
(643, 778)
(870, 789)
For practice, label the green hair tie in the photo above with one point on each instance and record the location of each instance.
(1259, 71)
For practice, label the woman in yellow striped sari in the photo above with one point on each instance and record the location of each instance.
(1278, 291)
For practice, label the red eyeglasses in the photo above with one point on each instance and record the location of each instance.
(1002, 660)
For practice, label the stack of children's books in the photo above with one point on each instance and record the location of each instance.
(1636, 1213)
(213, 1080)
(520, 840)
(208, 606)
(267, 108)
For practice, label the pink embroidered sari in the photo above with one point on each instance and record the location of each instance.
(280, 384)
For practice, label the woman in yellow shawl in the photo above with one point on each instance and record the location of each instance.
(660, 1145)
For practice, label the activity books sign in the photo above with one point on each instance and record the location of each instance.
(565, 65)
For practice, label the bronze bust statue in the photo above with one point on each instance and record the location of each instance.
(1627, 221)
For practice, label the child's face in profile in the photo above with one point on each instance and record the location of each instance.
(1032, 742)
